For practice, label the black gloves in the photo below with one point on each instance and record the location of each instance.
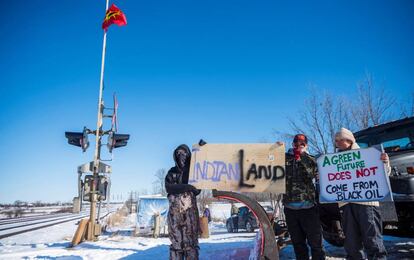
(201, 142)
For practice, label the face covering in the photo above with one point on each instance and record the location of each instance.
(298, 149)
(181, 156)
(296, 153)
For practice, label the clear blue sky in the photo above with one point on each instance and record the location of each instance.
(226, 71)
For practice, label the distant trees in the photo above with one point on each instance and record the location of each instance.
(14, 213)
(19, 203)
(372, 105)
(38, 203)
(203, 199)
(158, 185)
(407, 109)
(324, 113)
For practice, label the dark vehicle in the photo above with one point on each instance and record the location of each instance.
(244, 220)
(269, 211)
(397, 138)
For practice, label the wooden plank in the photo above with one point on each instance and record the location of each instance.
(80, 232)
(204, 227)
(239, 167)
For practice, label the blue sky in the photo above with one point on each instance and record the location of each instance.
(225, 71)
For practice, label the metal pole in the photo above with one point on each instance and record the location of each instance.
(99, 210)
(108, 195)
(92, 218)
(80, 190)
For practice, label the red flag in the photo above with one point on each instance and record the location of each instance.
(114, 15)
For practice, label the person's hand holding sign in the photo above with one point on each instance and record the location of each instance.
(384, 158)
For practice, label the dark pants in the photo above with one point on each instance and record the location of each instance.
(236, 223)
(183, 226)
(181, 254)
(304, 226)
(363, 230)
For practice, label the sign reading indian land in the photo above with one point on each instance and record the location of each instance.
(353, 176)
(239, 167)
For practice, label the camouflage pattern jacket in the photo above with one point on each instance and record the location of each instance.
(299, 177)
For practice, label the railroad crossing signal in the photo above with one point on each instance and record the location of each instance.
(78, 138)
(81, 139)
(101, 187)
(117, 140)
(96, 187)
(88, 167)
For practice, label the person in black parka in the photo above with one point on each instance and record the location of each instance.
(183, 222)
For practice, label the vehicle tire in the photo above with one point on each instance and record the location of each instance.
(229, 227)
(405, 228)
(249, 226)
(279, 227)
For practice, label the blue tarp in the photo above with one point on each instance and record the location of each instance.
(148, 207)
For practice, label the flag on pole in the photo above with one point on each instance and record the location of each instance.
(114, 16)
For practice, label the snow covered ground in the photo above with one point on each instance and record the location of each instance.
(119, 243)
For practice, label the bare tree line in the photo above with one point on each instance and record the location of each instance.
(324, 113)
(158, 185)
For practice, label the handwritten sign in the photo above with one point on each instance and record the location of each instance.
(354, 175)
(239, 167)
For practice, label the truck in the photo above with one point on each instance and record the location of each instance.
(397, 138)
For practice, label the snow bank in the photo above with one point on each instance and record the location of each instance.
(54, 242)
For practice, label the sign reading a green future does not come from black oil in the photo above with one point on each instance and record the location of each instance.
(353, 176)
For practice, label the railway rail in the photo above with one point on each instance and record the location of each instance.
(32, 218)
(27, 227)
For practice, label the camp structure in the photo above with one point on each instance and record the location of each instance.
(152, 215)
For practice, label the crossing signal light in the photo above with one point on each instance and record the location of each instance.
(78, 139)
(101, 187)
(117, 140)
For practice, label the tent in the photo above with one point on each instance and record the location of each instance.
(148, 207)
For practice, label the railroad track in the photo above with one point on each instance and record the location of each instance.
(33, 218)
(33, 222)
(39, 225)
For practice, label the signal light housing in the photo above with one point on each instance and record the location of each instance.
(78, 139)
(117, 140)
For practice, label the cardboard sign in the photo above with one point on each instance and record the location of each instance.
(354, 175)
(239, 167)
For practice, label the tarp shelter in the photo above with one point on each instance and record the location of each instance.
(148, 207)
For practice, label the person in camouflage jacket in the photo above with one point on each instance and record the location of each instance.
(183, 222)
(302, 217)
